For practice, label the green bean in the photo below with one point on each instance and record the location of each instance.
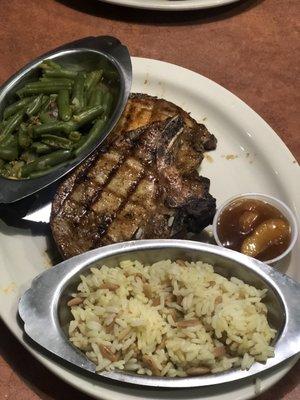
(107, 102)
(42, 89)
(12, 125)
(24, 138)
(62, 73)
(49, 64)
(46, 103)
(45, 118)
(92, 136)
(3, 138)
(57, 142)
(80, 142)
(102, 86)
(53, 127)
(44, 162)
(9, 149)
(34, 107)
(47, 131)
(99, 94)
(28, 156)
(64, 110)
(92, 99)
(65, 81)
(15, 107)
(23, 126)
(78, 99)
(48, 107)
(111, 75)
(41, 148)
(30, 130)
(75, 136)
(38, 174)
(91, 81)
(53, 97)
(9, 140)
(88, 115)
(96, 97)
(52, 83)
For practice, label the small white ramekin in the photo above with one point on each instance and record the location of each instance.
(282, 207)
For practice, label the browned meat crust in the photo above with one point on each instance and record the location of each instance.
(142, 109)
(142, 184)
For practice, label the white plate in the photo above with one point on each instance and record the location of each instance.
(169, 5)
(249, 157)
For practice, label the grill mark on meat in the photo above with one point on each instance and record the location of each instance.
(133, 215)
(67, 186)
(75, 216)
(125, 190)
(111, 216)
(98, 222)
(106, 181)
(101, 219)
(85, 192)
(89, 186)
(93, 207)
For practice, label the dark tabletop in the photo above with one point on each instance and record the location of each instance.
(250, 47)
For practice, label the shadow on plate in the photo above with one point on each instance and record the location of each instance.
(144, 16)
(30, 212)
(34, 207)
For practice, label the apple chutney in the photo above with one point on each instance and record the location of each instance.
(255, 228)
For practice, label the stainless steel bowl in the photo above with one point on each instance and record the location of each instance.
(45, 313)
(88, 53)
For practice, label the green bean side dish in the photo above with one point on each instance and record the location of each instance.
(54, 119)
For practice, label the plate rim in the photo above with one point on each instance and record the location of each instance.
(63, 372)
(178, 6)
(235, 101)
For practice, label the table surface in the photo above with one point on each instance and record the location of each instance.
(250, 47)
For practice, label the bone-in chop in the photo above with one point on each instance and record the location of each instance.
(143, 183)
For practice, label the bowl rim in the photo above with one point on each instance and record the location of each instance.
(117, 54)
(48, 287)
(273, 201)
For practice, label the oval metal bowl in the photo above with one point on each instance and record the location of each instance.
(44, 310)
(89, 53)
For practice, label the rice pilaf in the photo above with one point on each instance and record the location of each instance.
(169, 319)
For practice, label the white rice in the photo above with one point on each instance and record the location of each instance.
(169, 319)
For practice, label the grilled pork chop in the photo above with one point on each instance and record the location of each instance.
(143, 183)
(142, 109)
